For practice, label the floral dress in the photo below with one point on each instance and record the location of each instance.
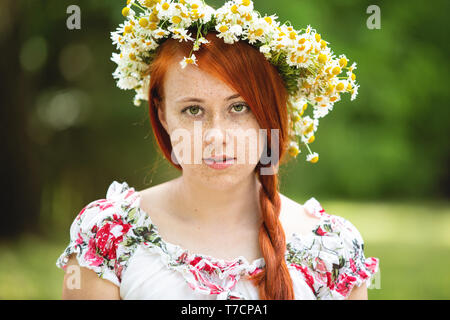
(116, 239)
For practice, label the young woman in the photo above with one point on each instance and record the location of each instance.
(222, 230)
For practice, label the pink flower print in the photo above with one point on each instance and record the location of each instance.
(109, 236)
(320, 265)
(129, 193)
(371, 264)
(345, 284)
(105, 206)
(80, 239)
(363, 274)
(182, 258)
(352, 265)
(81, 213)
(320, 232)
(91, 254)
(330, 283)
(308, 277)
(256, 271)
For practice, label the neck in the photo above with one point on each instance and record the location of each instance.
(233, 204)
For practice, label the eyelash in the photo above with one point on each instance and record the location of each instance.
(246, 108)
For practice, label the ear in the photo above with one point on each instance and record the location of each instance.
(162, 118)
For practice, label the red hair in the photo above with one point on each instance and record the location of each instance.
(244, 68)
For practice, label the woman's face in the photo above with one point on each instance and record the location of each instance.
(205, 118)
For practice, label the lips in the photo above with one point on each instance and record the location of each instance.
(219, 159)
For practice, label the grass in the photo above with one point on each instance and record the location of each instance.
(412, 241)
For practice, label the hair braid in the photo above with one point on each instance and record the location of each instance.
(272, 241)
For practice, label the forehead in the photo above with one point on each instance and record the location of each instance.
(193, 82)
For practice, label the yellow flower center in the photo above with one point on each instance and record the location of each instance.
(309, 129)
(340, 86)
(259, 32)
(154, 18)
(342, 62)
(149, 3)
(246, 2)
(128, 29)
(322, 58)
(293, 151)
(296, 118)
(165, 6)
(311, 140)
(336, 70)
(176, 19)
(125, 11)
(143, 22)
(223, 29)
(234, 9)
(315, 159)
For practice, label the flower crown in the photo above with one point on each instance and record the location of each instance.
(311, 72)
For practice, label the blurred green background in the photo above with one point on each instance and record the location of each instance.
(68, 132)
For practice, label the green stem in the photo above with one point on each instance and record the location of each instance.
(138, 6)
(310, 152)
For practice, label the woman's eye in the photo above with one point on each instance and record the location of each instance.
(192, 110)
(239, 108)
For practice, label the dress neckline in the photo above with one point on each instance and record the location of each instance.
(256, 263)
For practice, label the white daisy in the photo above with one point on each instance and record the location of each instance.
(181, 34)
(354, 92)
(160, 33)
(312, 157)
(186, 61)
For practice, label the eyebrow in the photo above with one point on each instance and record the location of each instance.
(191, 99)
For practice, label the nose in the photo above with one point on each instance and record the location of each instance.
(218, 135)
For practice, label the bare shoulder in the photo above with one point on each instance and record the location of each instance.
(295, 218)
(84, 284)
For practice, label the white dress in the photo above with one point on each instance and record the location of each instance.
(116, 239)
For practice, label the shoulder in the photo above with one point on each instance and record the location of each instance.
(115, 209)
(296, 218)
(101, 228)
(332, 256)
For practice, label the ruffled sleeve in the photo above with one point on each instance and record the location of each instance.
(355, 269)
(98, 232)
(333, 256)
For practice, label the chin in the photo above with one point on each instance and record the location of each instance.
(218, 179)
